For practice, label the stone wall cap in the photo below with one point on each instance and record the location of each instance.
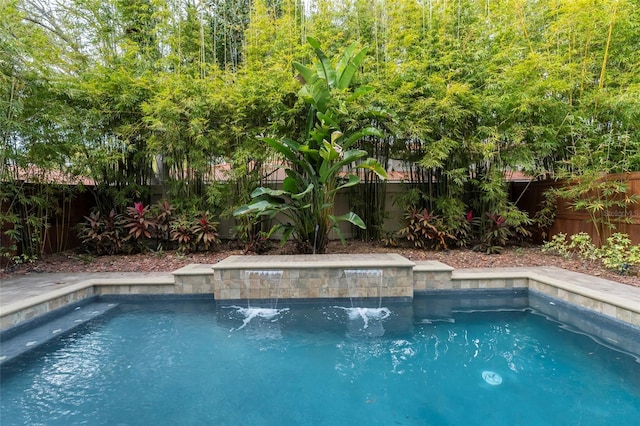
(431, 266)
(302, 261)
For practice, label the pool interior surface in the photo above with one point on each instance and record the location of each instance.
(201, 362)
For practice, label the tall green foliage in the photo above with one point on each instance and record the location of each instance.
(38, 130)
(314, 175)
(133, 92)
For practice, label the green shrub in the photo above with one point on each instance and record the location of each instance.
(583, 246)
(558, 246)
(618, 254)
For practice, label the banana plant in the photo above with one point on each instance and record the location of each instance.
(315, 170)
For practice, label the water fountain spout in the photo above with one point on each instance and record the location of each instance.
(266, 282)
(360, 282)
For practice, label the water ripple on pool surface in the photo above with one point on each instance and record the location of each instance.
(249, 314)
(181, 364)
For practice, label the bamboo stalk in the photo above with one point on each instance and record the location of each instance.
(608, 45)
(584, 63)
(524, 28)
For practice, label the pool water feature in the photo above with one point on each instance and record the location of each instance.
(364, 287)
(190, 362)
(365, 295)
(262, 308)
(263, 285)
(249, 313)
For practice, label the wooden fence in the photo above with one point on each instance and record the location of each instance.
(63, 217)
(62, 233)
(570, 221)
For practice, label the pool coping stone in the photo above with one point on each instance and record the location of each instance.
(621, 300)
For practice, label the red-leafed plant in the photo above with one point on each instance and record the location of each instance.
(247, 231)
(162, 212)
(205, 231)
(425, 230)
(139, 222)
(102, 234)
(461, 227)
(181, 233)
(500, 229)
(497, 234)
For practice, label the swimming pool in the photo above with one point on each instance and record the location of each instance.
(198, 362)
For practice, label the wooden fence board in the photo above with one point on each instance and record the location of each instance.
(570, 221)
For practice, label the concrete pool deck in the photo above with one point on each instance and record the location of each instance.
(25, 297)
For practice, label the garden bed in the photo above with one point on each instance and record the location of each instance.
(167, 261)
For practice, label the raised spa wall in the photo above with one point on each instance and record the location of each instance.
(313, 277)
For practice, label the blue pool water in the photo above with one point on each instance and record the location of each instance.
(192, 362)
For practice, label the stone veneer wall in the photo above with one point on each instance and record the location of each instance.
(39, 308)
(40, 305)
(311, 277)
(592, 303)
(431, 275)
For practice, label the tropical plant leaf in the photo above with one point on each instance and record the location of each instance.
(347, 74)
(359, 92)
(329, 152)
(345, 59)
(286, 148)
(307, 73)
(367, 131)
(303, 193)
(350, 217)
(373, 165)
(324, 68)
(318, 94)
(288, 230)
(348, 157)
(261, 190)
(327, 119)
(351, 181)
(339, 233)
(290, 184)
